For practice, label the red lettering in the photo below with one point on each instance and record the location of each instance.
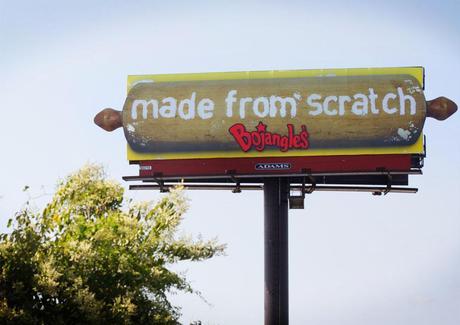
(242, 137)
(261, 138)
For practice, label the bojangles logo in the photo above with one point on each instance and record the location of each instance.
(261, 138)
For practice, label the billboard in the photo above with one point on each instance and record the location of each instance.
(259, 123)
(275, 114)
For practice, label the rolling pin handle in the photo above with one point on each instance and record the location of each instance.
(440, 108)
(109, 119)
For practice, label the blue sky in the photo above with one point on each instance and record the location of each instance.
(354, 258)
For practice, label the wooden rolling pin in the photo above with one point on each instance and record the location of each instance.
(338, 112)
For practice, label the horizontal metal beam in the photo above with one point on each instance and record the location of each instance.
(365, 180)
(230, 176)
(227, 187)
(252, 187)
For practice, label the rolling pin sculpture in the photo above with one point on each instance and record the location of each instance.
(257, 114)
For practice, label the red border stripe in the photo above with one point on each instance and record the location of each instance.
(247, 166)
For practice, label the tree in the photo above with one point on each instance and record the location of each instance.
(86, 260)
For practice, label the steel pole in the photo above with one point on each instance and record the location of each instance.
(276, 192)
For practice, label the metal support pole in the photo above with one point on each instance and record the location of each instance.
(276, 192)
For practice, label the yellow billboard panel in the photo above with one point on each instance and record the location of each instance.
(275, 113)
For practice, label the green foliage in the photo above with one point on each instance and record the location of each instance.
(85, 260)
